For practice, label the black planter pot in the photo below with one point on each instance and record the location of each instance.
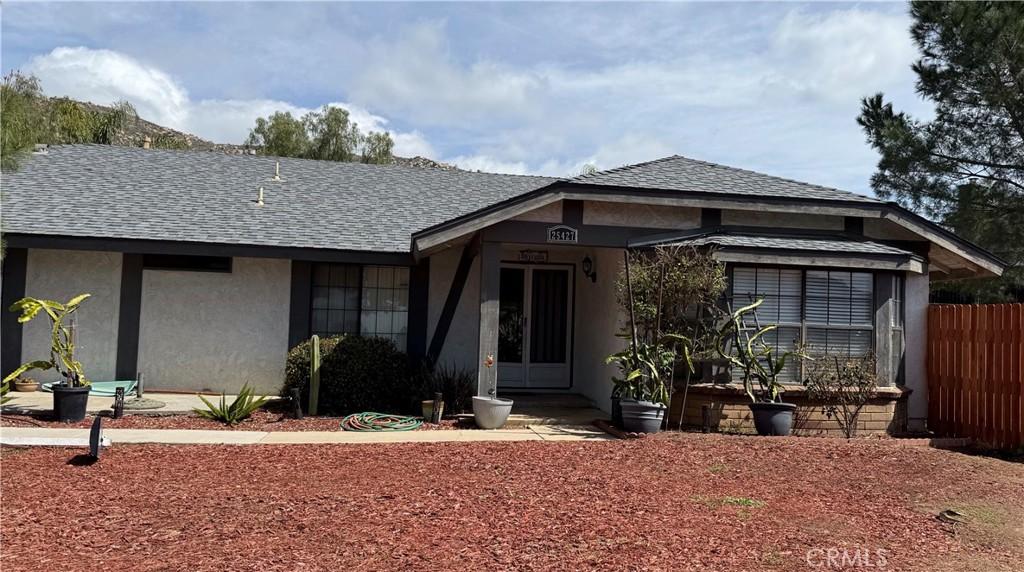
(69, 403)
(642, 416)
(773, 419)
(616, 411)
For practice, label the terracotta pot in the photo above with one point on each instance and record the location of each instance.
(428, 410)
(26, 386)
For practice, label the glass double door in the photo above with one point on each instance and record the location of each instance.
(535, 326)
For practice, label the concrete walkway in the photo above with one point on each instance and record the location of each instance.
(39, 401)
(29, 435)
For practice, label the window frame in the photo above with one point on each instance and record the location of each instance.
(804, 325)
(359, 308)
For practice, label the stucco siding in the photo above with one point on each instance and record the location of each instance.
(598, 319)
(215, 331)
(460, 347)
(653, 216)
(915, 366)
(547, 213)
(60, 275)
(782, 220)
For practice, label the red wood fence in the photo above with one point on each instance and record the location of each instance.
(976, 372)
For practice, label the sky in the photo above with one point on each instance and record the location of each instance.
(528, 88)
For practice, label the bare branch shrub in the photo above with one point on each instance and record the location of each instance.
(843, 385)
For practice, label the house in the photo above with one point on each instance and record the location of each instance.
(206, 267)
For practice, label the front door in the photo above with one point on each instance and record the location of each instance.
(535, 326)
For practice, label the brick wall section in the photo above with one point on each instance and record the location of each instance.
(729, 412)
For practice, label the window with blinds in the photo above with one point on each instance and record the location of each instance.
(826, 310)
(364, 300)
(839, 312)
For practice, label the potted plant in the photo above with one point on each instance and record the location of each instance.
(643, 393)
(26, 384)
(71, 395)
(655, 289)
(743, 345)
(491, 411)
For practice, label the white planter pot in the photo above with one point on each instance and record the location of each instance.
(491, 412)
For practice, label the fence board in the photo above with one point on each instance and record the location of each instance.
(976, 372)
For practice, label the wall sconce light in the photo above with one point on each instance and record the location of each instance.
(588, 269)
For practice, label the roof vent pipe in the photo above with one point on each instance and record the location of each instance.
(146, 142)
(259, 197)
(277, 171)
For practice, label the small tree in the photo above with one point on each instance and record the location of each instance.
(62, 338)
(656, 290)
(844, 385)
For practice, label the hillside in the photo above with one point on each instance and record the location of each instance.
(135, 134)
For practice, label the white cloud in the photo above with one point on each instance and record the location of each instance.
(417, 76)
(839, 54)
(543, 90)
(104, 76)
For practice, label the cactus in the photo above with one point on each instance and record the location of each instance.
(314, 373)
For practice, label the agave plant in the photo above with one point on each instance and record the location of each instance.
(746, 350)
(239, 410)
(62, 338)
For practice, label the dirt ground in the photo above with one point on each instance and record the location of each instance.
(672, 502)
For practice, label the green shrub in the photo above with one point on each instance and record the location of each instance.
(356, 374)
(240, 409)
(458, 386)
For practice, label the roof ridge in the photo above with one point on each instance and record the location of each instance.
(621, 168)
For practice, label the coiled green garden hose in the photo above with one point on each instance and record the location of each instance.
(370, 421)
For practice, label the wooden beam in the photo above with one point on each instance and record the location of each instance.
(451, 303)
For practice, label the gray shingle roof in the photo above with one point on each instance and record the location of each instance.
(678, 173)
(832, 245)
(125, 192)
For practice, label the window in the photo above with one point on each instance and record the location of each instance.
(385, 306)
(368, 301)
(781, 290)
(186, 263)
(839, 311)
(335, 299)
(826, 310)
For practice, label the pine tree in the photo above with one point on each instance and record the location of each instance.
(965, 167)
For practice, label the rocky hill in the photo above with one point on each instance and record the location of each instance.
(136, 134)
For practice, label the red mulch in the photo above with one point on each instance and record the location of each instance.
(261, 420)
(655, 503)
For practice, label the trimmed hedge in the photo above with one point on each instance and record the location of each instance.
(356, 374)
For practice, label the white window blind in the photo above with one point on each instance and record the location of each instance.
(826, 310)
